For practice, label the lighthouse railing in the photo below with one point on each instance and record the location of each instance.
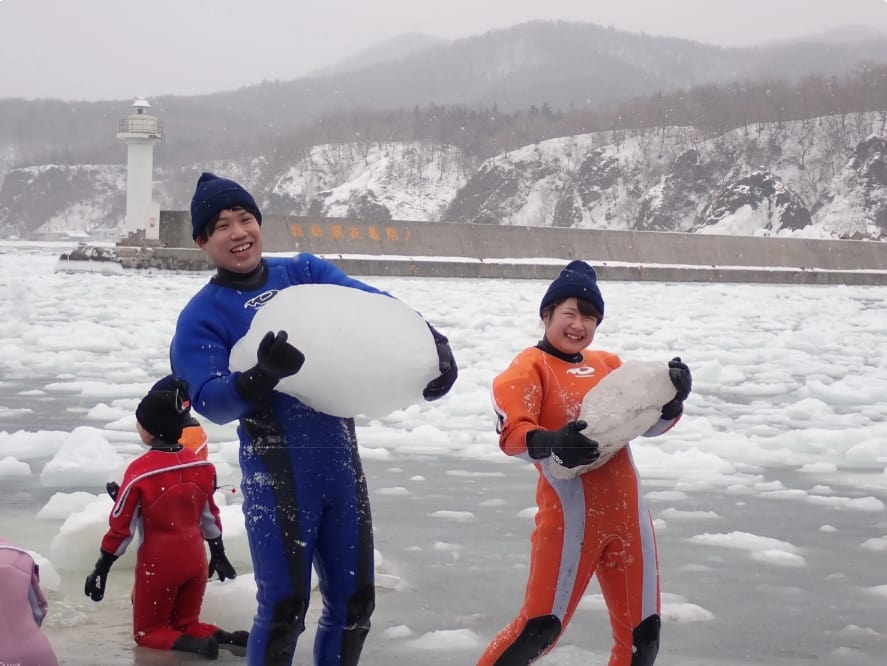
(150, 127)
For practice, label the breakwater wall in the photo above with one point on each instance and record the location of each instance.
(443, 249)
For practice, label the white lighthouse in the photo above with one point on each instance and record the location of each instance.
(140, 131)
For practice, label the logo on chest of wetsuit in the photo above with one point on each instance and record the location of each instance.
(258, 301)
(582, 371)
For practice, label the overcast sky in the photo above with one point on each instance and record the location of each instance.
(119, 49)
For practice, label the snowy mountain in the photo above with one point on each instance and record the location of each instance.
(816, 177)
(554, 65)
(397, 48)
(824, 177)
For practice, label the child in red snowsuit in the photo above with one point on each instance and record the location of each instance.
(167, 494)
(595, 523)
(193, 437)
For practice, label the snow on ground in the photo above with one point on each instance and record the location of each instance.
(768, 496)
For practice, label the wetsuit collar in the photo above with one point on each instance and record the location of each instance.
(169, 447)
(548, 348)
(252, 280)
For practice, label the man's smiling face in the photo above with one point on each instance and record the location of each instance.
(234, 242)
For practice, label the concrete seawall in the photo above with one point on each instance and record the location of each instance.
(442, 249)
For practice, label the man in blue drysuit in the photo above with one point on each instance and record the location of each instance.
(305, 495)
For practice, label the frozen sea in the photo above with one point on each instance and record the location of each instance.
(768, 496)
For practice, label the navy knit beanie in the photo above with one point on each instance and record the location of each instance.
(213, 195)
(163, 414)
(578, 280)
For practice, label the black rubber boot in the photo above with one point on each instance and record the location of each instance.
(207, 647)
(538, 635)
(233, 641)
(646, 641)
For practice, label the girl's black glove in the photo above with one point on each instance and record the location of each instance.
(682, 380)
(567, 447)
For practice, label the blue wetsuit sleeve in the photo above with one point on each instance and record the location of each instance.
(199, 354)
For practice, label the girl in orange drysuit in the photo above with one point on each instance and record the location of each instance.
(596, 522)
(167, 495)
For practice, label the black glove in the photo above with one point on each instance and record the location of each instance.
(95, 582)
(277, 359)
(218, 562)
(113, 488)
(567, 446)
(439, 386)
(682, 380)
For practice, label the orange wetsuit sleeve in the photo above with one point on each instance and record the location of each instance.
(517, 399)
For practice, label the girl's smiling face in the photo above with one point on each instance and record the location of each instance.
(567, 329)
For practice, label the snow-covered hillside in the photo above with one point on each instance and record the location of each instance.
(813, 177)
(824, 177)
(394, 181)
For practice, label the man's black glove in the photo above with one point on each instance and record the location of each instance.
(682, 380)
(277, 359)
(440, 385)
(113, 488)
(567, 447)
(218, 562)
(95, 582)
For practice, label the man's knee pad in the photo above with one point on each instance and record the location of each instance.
(361, 605)
(645, 641)
(538, 635)
(287, 623)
